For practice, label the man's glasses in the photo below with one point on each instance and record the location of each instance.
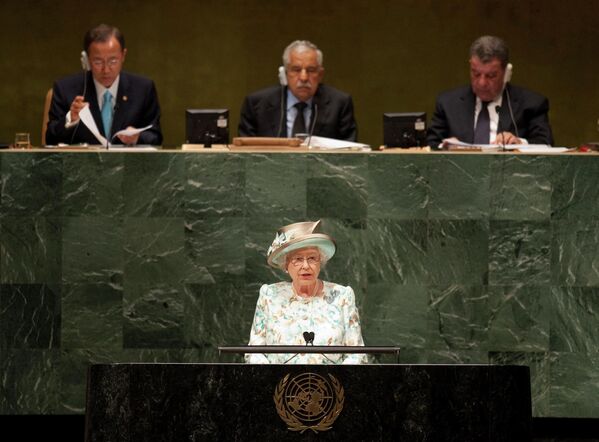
(111, 63)
(297, 261)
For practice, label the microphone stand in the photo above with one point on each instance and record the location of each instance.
(283, 112)
(509, 105)
(498, 110)
(314, 117)
(85, 71)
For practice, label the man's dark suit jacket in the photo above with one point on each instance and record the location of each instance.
(454, 116)
(334, 110)
(136, 105)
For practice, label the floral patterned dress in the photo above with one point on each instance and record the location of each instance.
(282, 317)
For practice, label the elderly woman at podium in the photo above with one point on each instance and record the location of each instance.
(306, 308)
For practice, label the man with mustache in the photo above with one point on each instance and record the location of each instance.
(301, 104)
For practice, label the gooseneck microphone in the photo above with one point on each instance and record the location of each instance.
(86, 68)
(509, 105)
(498, 110)
(313, 118)
(283, 112)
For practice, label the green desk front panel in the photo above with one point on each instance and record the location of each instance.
(158, 257)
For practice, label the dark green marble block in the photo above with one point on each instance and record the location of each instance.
(158, 257)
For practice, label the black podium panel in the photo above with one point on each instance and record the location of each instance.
(192, 402)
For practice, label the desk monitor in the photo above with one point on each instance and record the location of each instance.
(207, 126)
(404, 129)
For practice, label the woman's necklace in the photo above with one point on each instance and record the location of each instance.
(315, 291)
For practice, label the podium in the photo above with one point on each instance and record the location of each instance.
(192, 402)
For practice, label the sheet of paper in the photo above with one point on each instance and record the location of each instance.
(119, 148)
(536, 148)
(131, 131)
(86, 117)
(332, 143)
(455, 143)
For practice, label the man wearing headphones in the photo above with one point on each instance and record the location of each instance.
(301, 104)
(117, 99)
(491, 110)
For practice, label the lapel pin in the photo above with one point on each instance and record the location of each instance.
(125, 98)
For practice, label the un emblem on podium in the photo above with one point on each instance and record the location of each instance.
(309, 401)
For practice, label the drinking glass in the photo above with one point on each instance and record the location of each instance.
(22, 140)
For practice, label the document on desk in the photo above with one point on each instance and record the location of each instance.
(333, 144)
(455, 144)
(138, 148)
(535, 148)
(131, 131)
(87, 119)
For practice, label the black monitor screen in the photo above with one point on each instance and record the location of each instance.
(207, 126)
(404, 129)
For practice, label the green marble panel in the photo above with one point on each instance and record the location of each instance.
(458, 252)
(214, 186)
(216, 245)
(575, 192)
(218, 314)
(31, 184)
(159, 257)
(30, 382)
(398, 186)
(30, 250)
(396, 314)
(519, 251)
(519, 318)
(92, 316)
(348, 266)
(92, 250)
(275, 186)
(574, 385)
(154, 251)
(72, 370)
(459, 186)
(154, 184)
(93, 184)
(396, 251)
(461, 318)
(30, 316)
(520, 187)
(260, 233)
(574, 319)
(336, 187)
(153, 316)
(539, 364)
(575, 253)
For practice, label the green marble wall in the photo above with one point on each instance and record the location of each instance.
(457, 258)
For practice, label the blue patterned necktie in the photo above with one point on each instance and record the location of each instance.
(107, 113)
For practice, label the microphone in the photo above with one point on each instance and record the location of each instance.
(283, 112)
(309, 338)
(498, 110)
(509, 105)
(313, 121)
(86, 68)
